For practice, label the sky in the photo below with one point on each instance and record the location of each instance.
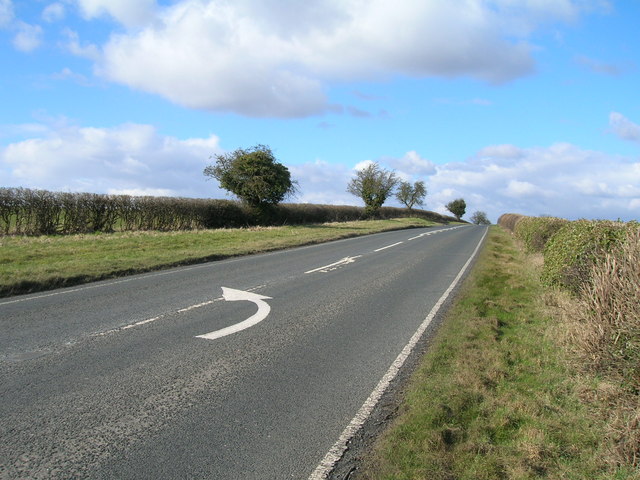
(516, 106)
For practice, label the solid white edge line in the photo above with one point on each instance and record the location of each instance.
(335, 453)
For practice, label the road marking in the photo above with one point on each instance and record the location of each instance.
(419, 236)
(388, 246)
(231, 295)
(329, 461)
(153, 319)
(434, 231)
(334, 265)
(426, 234)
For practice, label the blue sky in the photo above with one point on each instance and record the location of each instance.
(527, 106)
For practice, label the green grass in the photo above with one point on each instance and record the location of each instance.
(495, 396)
(38, 263)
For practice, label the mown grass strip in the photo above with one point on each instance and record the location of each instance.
(495, 397)
(30, 264)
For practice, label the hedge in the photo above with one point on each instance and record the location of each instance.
(40, 212)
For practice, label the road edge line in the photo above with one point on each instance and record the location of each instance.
(336, 452)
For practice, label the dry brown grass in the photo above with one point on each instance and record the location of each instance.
(611, 309)
(602, 329)
(509, 220)
(609, 336)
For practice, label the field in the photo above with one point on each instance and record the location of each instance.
(37, 263)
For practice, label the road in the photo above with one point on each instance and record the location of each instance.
(119, 379)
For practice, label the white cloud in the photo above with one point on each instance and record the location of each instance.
(127, 12)
(73, 45)
(623, 127)
(6, 13)
(561, 180)
(323, 183)
(28, 38)
(68, 74)
(501, 151)
(126, 158)
(269, 58)
(517, 189)
(362, 165)
(142, 192)
(53, 12)
(412, 165)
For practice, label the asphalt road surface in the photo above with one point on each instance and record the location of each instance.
(168, 375)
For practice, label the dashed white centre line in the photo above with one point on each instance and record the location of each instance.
(334, 265)
(388, 246)
(419, 236)
(164, 315)
(153, 319)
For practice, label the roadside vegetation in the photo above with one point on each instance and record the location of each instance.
(530, 376)
(37, 263)
(458, 207)
(30, 212)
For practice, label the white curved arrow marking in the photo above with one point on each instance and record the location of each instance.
(231, 295)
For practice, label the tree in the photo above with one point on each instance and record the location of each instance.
(480, 218)
(373, 185)
(457, 207)
(411, 195)
(253, 175)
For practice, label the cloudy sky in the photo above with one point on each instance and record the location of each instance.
(528, 106)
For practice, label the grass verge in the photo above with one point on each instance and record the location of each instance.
(496, 396)
(30, 264)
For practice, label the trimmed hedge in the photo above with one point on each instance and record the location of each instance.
(509, 220)
(535, 232)
(40, 212)
(572, 251)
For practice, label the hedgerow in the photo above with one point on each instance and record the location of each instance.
(598, 262)
(535, 232)
(509, 220)
(40, 212)
(572, 251)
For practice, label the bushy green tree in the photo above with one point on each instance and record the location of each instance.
(480, 218)
(411, 195)
(457, 207)
(253, 175)
(373, 185)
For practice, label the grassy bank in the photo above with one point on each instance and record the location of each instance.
(39, 263)
(497, 396)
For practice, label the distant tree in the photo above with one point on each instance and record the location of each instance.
(253, 175)
(480, 218)
(457, 207)
(373, 185)
(411, 195)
